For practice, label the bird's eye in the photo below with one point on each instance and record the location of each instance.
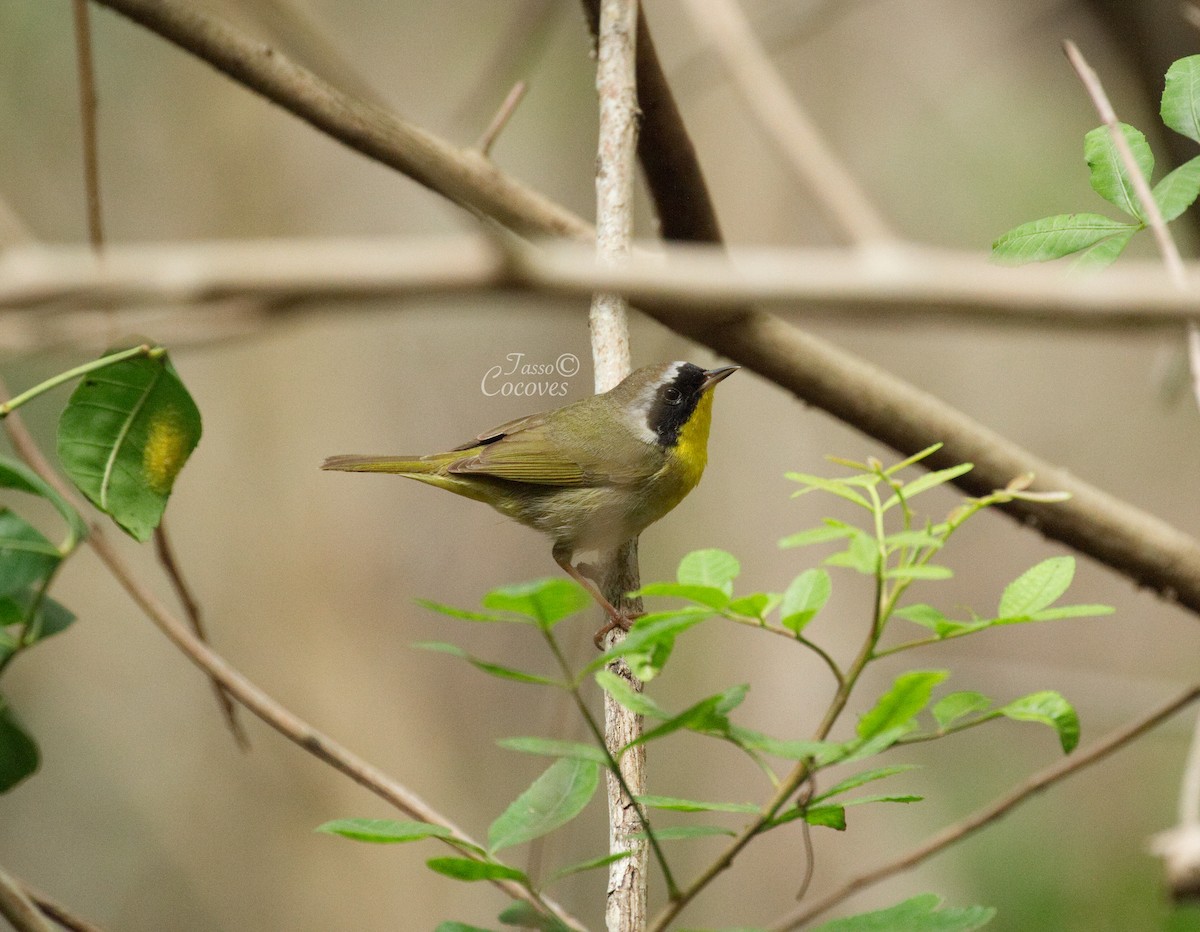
(673, 395)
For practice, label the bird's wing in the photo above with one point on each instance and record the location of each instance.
(523, 450)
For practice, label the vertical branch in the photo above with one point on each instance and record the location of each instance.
(616, 84)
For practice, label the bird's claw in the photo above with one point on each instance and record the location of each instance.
(623, 621)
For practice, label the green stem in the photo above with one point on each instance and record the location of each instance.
(791, 636)
(613, 764)
(35, 606)
(151, 352)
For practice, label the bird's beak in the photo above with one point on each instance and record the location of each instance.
(713, 376)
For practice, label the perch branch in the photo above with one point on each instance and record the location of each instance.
(616, 163)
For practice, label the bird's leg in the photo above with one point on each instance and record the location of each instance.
(616, 619)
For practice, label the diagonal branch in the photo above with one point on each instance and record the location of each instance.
(1137, 544)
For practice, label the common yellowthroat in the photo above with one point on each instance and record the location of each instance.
(590, 475)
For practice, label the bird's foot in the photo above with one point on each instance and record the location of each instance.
(621, 621)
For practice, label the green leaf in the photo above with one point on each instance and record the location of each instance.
(1037, 588)
(862, 555)
(705, 595)
(463, 613)
(690, 805)
(822, 753)
(1177, 191)
(910, 693)
(1072, 611)
(635, 701)
(711, 568)
(817, 535)
(756, 605)
(1049, 708)
(860, 748)
(51, 619)
(919, 571)
(950, 708)
(706, 716)
(26, 557)
(588, 865)
(1109, 177)
(919, 914)
(19, 757)
(884, 798)
(861, 779)
(926, 482)
(1055, 237)
(553, 747)
(830, 816)
(383, 831)
(656, 631)
(1102, 253)
(1181, 97)
(553, 799)
(527, 916)
(915, 539)
(546, 601)
(806, 596)
(452, 926)
(915, 458)
(836, 487)
(492, 669)
(471, 870)
(14, 475)
(125, 434)
(927, 617)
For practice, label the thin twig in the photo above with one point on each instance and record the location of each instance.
(191, 610)
(1002, 806)
(248, 693)
(18, 909)
(87, 121)
(616, 163)
(500, 120)
(723, 25)
(56, 911)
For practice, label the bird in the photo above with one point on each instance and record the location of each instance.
(590, 475)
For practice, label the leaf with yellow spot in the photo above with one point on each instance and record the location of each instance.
(124, 436)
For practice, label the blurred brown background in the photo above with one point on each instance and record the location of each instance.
(961, 119)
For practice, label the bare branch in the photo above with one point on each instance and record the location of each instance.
(191, 609)
(1001, 807)
(16, 907)
(889, 281)
(616, 163)
(723, 25)
(56, 911)
(500, 120)
(87, 120)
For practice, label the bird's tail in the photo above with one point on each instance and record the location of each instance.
(401, 465)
